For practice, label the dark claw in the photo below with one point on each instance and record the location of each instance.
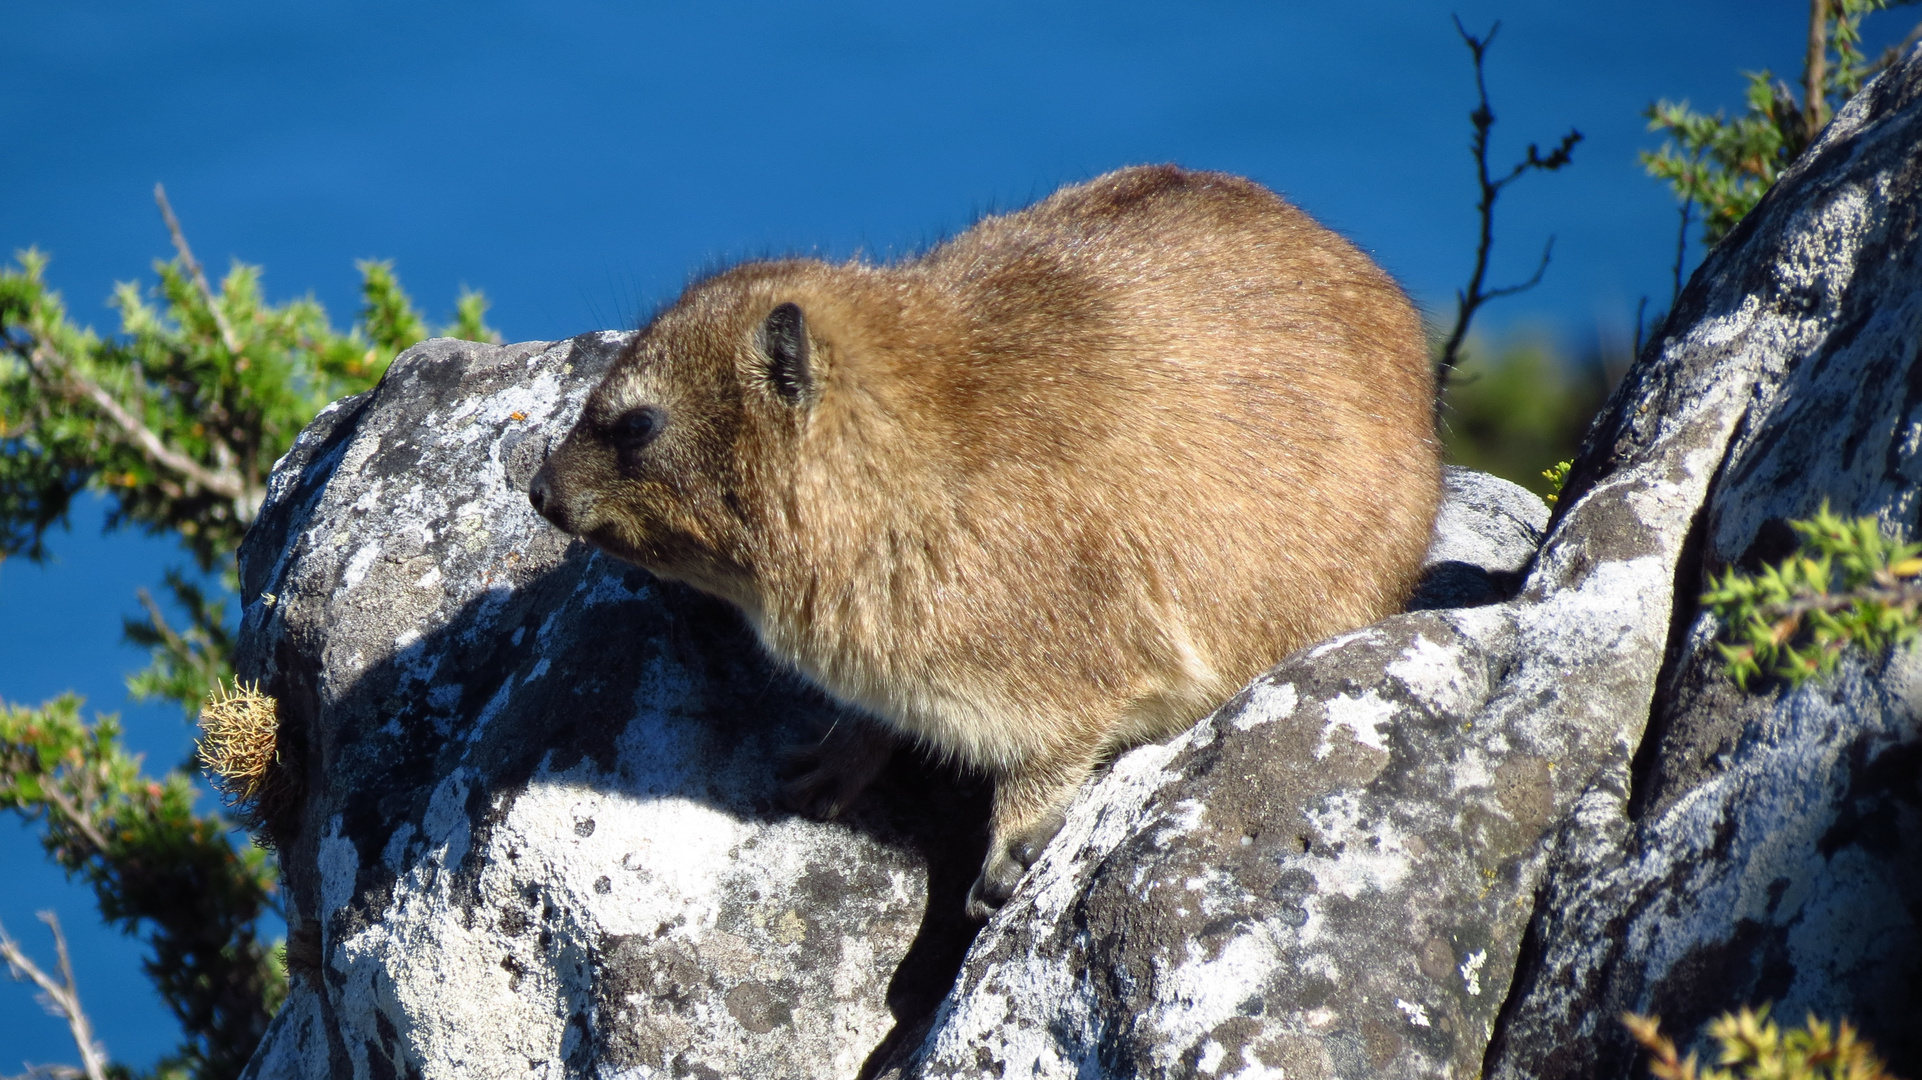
(1007, 863)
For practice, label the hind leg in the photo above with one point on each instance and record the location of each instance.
(1028, 807)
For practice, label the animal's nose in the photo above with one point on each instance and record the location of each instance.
(537, 492)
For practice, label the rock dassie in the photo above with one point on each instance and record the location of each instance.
(1057, 487)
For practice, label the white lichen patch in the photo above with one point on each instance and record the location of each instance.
(1340, 641)
(1104, 814)
(1433, 674)
(1266, 702)
(1364, 716)
(1471, 971)
(1374, 852)
(339, 863)
(1194, 996)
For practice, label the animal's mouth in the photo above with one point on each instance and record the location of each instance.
(608, 539)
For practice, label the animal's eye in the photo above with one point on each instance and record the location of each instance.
(636, 428)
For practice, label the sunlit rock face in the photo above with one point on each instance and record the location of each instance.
(1770, 848)
(537, 831)
(1462, 842)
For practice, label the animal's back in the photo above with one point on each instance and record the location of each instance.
(1170, 430)
(1055, 488)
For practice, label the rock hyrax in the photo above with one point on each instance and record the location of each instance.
(1055, 488)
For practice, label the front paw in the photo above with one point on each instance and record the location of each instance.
(823, 780)
(1008, 861)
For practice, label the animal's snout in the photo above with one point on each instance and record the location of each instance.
(537, 492)
(540, 493)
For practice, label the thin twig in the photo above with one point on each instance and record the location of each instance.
(1892, 592)
(64, 997)
(1470, 299)
(1681, 251)
(168, 636)
(91, 1056)
(1895, 52)
(1533, 280)
(193, 270)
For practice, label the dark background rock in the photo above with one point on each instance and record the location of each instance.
(1485, 537)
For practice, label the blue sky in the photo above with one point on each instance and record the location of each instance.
(578, 160)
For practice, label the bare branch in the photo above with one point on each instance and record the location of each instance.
(1533, 280)
(1895, 52)
(48, 1072)
(200, 278)
(1887, 591)
(63, 996)
(168, 635)
(1470, 299)
(1681, 251)
(92, 1057)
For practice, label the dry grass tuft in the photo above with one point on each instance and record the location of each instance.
(239, 731)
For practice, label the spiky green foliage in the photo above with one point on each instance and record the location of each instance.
(158, 868)
(177, 420)
(1849, 584)
(1556, 475)
(1760, 1050)
(180, 417)
(1720, 165)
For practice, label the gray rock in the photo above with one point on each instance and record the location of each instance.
(539, 830)
(537, 834)
(1771, 845)
(1485, 535)
(1333, 875)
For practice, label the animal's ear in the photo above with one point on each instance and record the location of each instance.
(784, 340)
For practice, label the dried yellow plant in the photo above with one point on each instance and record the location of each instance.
(239, 730)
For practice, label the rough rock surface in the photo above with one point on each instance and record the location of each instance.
(537, 836)
(539, 830)
(1341, 872)
(1771, 845)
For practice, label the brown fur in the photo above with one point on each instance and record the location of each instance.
(1056, 488)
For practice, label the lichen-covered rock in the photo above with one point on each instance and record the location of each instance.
(1332, 875)
(1771, 845)
(537, 831)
